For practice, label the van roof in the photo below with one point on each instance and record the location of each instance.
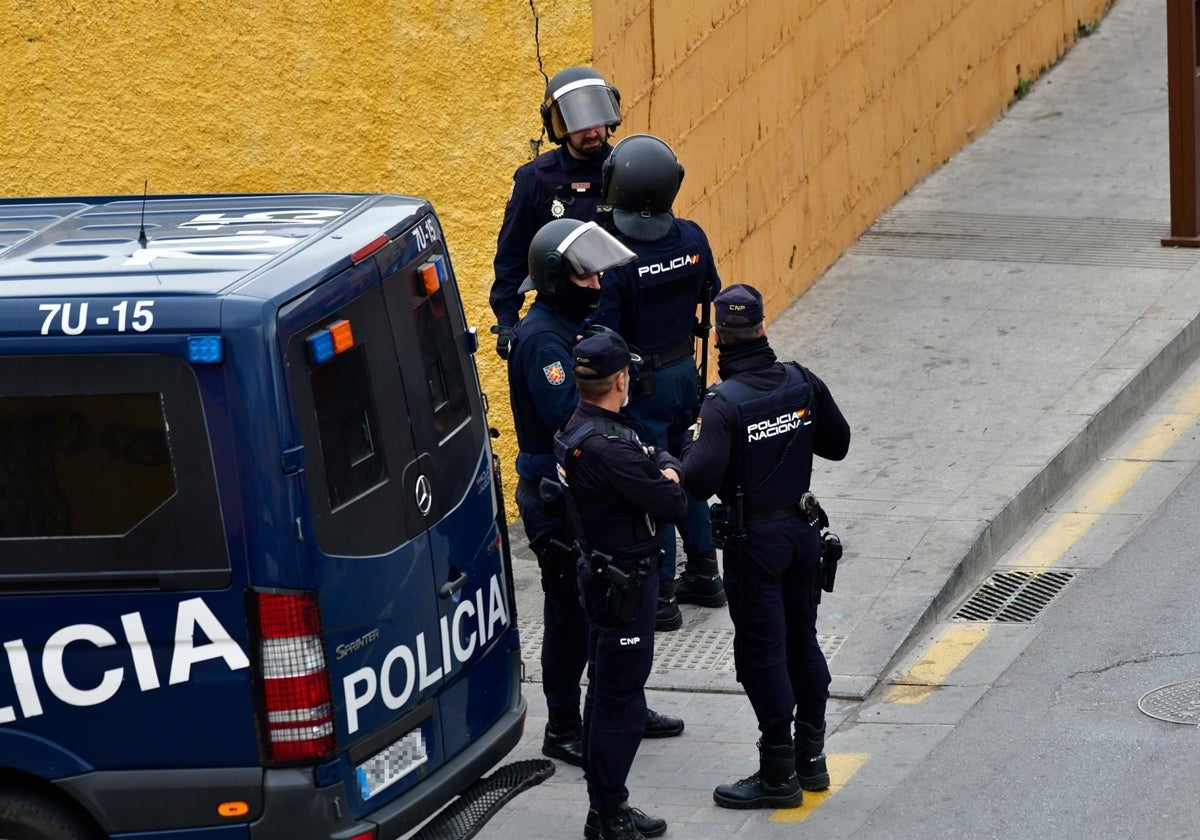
(193, 244)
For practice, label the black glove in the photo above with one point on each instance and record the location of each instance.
(503, 340)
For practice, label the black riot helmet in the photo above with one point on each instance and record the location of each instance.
(641, 179)
(578, 98)
(565, 246)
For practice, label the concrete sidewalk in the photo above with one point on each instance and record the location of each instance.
(986, 338)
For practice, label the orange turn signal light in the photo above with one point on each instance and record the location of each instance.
(343, 336)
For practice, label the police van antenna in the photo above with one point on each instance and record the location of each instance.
(142, 241)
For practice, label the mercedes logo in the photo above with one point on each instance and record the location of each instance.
(424, 495)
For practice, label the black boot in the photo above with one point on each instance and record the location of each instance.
(700, 582)
(810, 756)
(645, 824)
(662, 726)
(564, 740)
(667, 617)
(774, 785)
(614, 824)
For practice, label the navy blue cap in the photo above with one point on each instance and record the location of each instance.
(604, 354)
(738, 306)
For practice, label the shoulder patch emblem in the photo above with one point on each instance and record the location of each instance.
(696, 430)
(555, 374)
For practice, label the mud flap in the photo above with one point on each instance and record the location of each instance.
(466, 815)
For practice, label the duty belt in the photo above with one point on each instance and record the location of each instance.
(658, 361)
(807, 508)
(599, 561)
(754, 517)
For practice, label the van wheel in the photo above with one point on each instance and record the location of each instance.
(31, 815)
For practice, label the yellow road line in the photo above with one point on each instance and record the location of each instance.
(842, 766)
(1099, 497)
(947, 653)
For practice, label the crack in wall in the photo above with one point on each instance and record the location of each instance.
(535, 144)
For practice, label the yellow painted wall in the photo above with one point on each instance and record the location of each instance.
(437, 98)
(800, 121)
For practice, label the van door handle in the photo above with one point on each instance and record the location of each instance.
(452, 586)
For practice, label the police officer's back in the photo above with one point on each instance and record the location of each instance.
(753, 445)
(653, 303)
(579, 114)
(619, 493)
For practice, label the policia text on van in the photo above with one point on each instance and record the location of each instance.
(254, 573)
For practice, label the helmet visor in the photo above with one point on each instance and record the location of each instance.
(583, 104)
(590, 249)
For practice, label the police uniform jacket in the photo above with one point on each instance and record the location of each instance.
(652, 301)
(619, 492)
(541, 385)
(748, 444)
(554, 185)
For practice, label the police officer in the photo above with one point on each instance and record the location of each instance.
(580, 112)
(565, 259)
(753, 445)
(618, 492)
(652, 302)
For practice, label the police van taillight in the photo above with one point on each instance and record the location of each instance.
(296, 704)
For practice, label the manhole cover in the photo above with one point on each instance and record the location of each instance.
(1175, 703)
(1016, 596)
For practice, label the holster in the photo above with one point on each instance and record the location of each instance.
(551, 494)
(644, 387)
(728, 524)
(623, 579)
(559, 563)
(831, 553)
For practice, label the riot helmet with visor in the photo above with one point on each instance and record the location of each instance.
(578, 98)
(564, 247)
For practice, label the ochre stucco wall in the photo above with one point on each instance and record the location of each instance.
(800, 121)
(437, 98)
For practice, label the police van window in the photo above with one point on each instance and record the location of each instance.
(106, 475)
(81, 466)
(354, 423)
(348, 426)
(443, 367)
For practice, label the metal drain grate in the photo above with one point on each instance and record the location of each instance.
(1014, 596)
(1175, 703)
(1029, 239)
(700, 649)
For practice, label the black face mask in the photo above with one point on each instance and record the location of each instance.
(576, 302)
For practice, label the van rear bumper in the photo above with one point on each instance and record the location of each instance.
(294, 809)
(282, 802)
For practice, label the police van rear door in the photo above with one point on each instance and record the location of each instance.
(403, 628)
(454, 462)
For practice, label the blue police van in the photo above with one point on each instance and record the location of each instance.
(254, 571)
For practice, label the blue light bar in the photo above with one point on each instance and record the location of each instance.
(320, 347)
(205, 349)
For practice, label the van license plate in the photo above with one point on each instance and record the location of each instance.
(392, 764)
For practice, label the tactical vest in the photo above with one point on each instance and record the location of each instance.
(670, 283)
(771, 458)
(559, 195)
(620, 531)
